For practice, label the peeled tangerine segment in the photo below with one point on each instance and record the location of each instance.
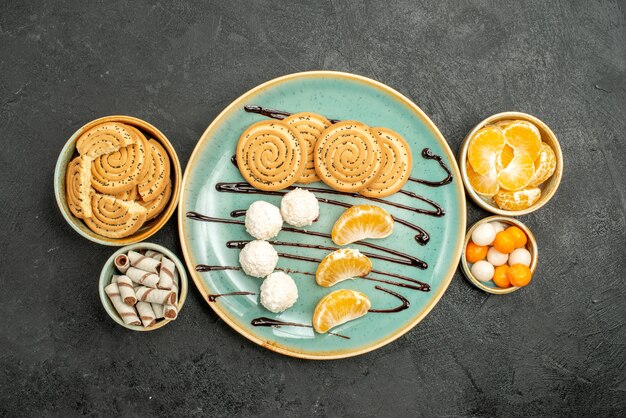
(486, 185)
(504, 158)
(544, 165)
(484, 148)
(524, 138)
(341, 265)
(339, 307)
(362, 222)
(517, 174)
(519, 200)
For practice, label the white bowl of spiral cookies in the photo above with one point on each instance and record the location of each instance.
(117, 180)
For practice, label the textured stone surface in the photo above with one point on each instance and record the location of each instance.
(555, 348)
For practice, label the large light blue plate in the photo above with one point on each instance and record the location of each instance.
(340, 96)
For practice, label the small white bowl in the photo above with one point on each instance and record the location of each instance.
(490, 286)
(109, 270)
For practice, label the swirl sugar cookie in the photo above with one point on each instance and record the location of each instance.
(115, 218)
(156, 205)
(157, 177)
(118, 171)
(271, 155)
(78, 186)
(104, 138)
(347, 156)
(310, 126)
(396, 164)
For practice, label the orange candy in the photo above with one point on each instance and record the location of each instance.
(519, 275)
(474, 253)
(500, 276)
(504, 242)
(518, 235)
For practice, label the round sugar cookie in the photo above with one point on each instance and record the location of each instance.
(115, 218)
(78, 186)
(347, 156)
(271, 155)
(396, 164)
(104, 138)
(157, 176)
(118, 171)
(310, 126)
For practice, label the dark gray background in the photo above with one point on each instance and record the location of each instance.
(555, 348)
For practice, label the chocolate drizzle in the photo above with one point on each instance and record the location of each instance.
(273, 113)
(405, 302)
(213, 298)
(275, 323)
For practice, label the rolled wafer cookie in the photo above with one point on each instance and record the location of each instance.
(170, 310)
(146, 314)
(158, 310)
(310, 126)
(166, 274)
(115, 218)
(78, 186)
(152, 295)
(347, 156)
(156, 205)
(396, 166)
(271, 155)
(144, 263)
(104, 138)
(154, 254)
(122, 263)
(142, 278)
(127, 313)
(157, 176)
(127, 291)
(118, 171)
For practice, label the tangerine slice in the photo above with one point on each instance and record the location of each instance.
(339, 307)
(341, 265)
(517, 174)
(504, 158)
(519, 200)
(486, 185)
(524, 138)
(484, 148)
(361, 222)
(544, 165)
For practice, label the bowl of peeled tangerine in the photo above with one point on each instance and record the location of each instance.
(511, 163)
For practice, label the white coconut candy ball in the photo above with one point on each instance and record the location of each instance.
(495, 257)
(498, 226)
(484, 234)
(299, 207)
(520, 256)
(278, 292)
(263, 220)
(258, 258)
(482, 270)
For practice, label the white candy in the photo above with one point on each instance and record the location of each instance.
(278, 292)
(263, 220)
(482, 270)
(498, 226)
(484, 234)
(299, 207)
(520, 256)
(258, 258)
(495, 257)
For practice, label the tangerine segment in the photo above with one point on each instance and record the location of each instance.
(519, 200)
(339, 307)
(486, 185)
(544, 165)
(362, 222)
(484, 148)
(524, 138)
(341, 265)
(517, 174)
(504, 158)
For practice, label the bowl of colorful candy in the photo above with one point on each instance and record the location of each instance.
(500, 255)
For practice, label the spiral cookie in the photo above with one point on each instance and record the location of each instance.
(310, 126)
(396, 164)
(155, 206)
(157, 176)
(271, 155)
(115, 218)
(78, 186)
(130, 195)
(347, 156)
(118, 171)
(138, 136)
(103, 139)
